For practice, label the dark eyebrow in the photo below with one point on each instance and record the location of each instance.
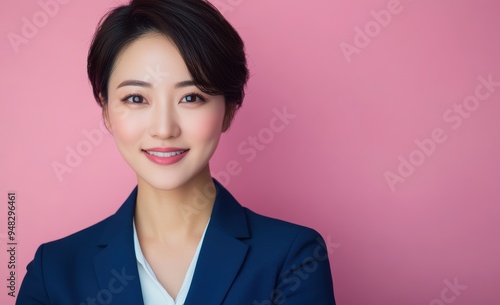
(133, 82)
(185, 83)
(140, 83)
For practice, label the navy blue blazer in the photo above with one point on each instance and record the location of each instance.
(245, 258)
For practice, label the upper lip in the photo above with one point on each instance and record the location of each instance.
(165, 149)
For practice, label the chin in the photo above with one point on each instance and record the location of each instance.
(164, 182)
(167, 179)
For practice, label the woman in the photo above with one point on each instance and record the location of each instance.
(170, 76)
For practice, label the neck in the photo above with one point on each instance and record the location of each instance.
(175, 214)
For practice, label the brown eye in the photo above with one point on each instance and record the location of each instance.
(191, 98)
(134, 99)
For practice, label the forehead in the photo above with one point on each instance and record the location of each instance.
(147, 58)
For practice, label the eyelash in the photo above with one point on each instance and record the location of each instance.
(199, 96)
(125, 99)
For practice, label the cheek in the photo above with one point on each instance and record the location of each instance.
(206, 127)
(125, 125)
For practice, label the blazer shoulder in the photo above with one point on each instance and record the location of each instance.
(295, 256)
(77, 242)
(265, 227)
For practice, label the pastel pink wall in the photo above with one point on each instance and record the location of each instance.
(392, 154)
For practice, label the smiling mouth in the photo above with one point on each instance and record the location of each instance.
(166, 154)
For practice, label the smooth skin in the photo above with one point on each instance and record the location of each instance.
(145, 110)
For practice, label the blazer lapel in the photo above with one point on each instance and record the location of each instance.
(221, 256)
(222, 252)
(116, 265)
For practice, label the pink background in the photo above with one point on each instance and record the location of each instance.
(355, 116)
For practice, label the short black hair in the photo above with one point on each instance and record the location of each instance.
(213, 51)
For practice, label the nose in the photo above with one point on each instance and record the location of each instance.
(164, 123)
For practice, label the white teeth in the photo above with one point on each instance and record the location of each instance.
(165, 154)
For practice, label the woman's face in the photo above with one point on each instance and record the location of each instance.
(153, 106)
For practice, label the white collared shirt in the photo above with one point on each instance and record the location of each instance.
(152, 291)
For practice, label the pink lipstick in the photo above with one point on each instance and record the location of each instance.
(165, 155)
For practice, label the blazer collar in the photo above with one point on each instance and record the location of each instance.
(222, 253)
